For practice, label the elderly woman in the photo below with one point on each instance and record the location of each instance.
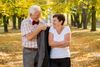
(59, 40)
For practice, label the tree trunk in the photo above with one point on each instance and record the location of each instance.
(75, 22)
(78, 20)
(19, 21)
(93, 24)
(84, 18)
(14, 21)
(72, 21)
(5, 21)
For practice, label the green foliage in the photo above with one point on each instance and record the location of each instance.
(20, 7)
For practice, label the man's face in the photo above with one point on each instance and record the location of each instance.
(36, 14)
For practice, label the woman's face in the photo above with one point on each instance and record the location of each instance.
(56, 22)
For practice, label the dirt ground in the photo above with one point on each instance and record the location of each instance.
(85, 49)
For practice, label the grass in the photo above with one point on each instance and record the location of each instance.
(85, 48)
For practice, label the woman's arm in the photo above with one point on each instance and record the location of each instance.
(60, 44)
(53, 43)
(67, 41)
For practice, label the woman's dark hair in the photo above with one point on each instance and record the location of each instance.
(60, 17)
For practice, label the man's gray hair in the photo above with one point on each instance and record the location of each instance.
(34, 8)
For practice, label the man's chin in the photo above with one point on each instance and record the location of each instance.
(37, 18)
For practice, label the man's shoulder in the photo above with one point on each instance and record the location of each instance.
(43, 21)
(26, 21)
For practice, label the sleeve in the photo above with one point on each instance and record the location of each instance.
(25, 28)
(68, 29)
(51, 30)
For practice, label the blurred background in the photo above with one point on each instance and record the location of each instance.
(83, 17)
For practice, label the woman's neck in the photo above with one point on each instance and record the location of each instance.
(59, 29)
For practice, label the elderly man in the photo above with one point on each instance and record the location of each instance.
(30, 28)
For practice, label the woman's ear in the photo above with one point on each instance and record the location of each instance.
(61, 22)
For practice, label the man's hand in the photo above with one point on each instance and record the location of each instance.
(42, 27)
(32, 35)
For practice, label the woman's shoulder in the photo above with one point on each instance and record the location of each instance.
(51, 29)
(67, 28)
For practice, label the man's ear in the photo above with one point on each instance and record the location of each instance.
(30, 14)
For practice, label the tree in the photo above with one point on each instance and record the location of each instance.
(5, 14)
(93, 24)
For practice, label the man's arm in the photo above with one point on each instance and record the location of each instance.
(33, 34)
